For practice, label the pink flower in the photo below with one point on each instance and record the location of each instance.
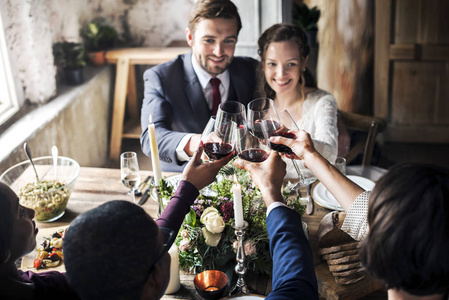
(184, 234)
(250, 248)
(184, 245)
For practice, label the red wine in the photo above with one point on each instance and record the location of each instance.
(279, 147)
(256, 128)
(254, 155)
(216, 151)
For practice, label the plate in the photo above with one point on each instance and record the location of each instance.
(27, 260)
(322, 196)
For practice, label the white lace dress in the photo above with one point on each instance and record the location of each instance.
(319, 119)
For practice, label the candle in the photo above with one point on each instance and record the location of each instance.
(238, 208)
(154, 153)
(174, 284)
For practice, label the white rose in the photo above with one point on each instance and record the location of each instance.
(212, 219)
(212, 239)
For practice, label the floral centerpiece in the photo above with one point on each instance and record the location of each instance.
(207, 240)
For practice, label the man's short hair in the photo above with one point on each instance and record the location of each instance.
(108, 251)
(407, 245)
(212, 9)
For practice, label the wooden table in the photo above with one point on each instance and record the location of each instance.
(125, 89)
(96, 186)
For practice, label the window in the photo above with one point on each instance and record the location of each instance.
(8, 99)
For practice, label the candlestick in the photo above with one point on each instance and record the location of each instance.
(154, 153)
(174, 283)
(238, 207)
(240, 287)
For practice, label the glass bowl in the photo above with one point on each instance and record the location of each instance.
(48, 197)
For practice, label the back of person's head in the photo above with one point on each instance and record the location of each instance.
(407, 245)
(212, 9)
(282, 32)
(5, 223)
(109, 251)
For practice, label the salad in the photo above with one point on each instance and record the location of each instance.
(47, 198)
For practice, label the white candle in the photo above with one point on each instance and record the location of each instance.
(175, 283)
(154, 153)
(238, 208)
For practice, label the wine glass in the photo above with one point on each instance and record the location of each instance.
(234, 111)
(218, 138)
(264, 117)
(252, 148)
(129, 167)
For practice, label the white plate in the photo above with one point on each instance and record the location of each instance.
(322, 196)
(28, 260)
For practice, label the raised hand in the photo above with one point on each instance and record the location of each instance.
(268, 176)
(202, 174)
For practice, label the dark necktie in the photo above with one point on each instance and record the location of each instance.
(216, 96)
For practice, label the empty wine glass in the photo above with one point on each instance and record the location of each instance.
(129, 167)
(218, 138)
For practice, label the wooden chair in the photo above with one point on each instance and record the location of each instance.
(369, 127)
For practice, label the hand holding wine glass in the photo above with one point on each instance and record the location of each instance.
(129, 167)
(218, 138)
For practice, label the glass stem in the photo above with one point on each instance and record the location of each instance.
(133, 197)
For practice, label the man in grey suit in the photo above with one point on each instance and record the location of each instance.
(182, 94)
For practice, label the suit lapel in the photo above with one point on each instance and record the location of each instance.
(194, 91)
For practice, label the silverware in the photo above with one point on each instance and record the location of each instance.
(310, 204)
(145, 195)
(28, 153)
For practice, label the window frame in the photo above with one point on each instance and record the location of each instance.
(9, 104)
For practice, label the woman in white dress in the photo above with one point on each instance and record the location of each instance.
(284, 78)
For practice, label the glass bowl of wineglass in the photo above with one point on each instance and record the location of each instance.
(218, 138)
(234, 111)
(129, 168)
(252, 148)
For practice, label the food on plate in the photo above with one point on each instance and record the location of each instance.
(47, 198)
(50, 251)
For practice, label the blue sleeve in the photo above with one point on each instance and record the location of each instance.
(293, 271)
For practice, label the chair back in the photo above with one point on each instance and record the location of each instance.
(369, 127)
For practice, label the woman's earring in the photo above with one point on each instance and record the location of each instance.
(304, 69)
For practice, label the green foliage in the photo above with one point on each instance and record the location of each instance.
(69, 55)
(98, 35)
(196, 255)
(304, 17)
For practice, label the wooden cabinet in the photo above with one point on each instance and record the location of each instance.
(411, 69)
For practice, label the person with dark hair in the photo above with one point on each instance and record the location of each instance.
(403, 223)
(17, 238)
(284, 77)
(182, 94)
(293, 271)
(117, 251)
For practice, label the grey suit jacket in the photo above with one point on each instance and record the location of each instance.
(174, 97)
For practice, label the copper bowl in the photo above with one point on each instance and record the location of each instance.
(211, 284)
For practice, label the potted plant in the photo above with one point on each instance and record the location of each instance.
(70, 58)
(307, 19)
(98, 36)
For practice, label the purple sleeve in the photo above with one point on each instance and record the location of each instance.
(179, 206)
(49, 284)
